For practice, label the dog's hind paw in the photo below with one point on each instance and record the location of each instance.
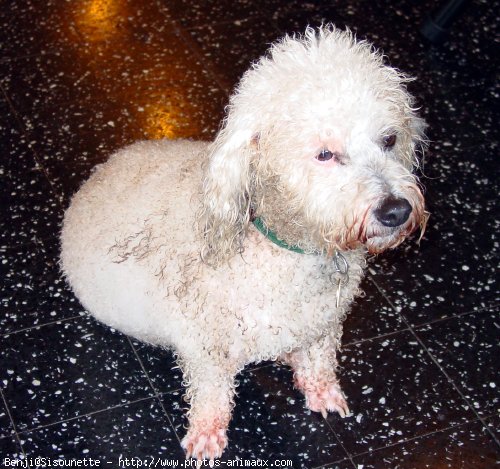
(205, 443)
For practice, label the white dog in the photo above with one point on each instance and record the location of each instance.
(253, 247)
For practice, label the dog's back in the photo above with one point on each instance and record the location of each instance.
(142, 201)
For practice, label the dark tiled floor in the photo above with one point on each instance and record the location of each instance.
(420, 362)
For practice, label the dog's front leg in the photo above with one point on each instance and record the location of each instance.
(314, 374)
(210, 392)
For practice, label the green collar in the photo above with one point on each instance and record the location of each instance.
(271, 235)
(341, 267)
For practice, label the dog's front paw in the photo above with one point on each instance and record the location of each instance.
(206, 441)
(323, 397)
(327, 399)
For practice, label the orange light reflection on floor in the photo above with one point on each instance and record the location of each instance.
(166, 120)
(97, 20)
(106, 30)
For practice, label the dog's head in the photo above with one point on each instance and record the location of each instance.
(320, 143)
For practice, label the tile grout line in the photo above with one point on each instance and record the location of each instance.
(492, 304)
(88, 414)
(14, 428)
(485, 309)
(349, 455)
(34, 241)
(332, 430)
(247, 17)
(442, 370)
(424, 435)
(157, 393)
(56, 321)
(25, 132)
(333, 465)
(375, 337)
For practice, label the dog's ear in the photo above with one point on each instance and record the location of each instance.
(418, 127)
(225, 209)
(413, 141)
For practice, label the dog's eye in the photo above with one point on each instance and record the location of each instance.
(325, 155)
(389, 141)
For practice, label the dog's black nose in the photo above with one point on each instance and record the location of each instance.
(393, 212)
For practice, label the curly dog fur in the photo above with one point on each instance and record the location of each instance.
(319, 145)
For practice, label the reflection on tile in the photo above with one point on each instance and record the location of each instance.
(142, 66)
(63, 370)
(467, 348)
(70, 142)
(157, 101)
(138, 430)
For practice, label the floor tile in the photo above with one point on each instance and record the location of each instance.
(470, 118)
(28, 204)
(295, 16)
(453, 270)
(198, 14)
(72, 141)
(6, 428)
(233, 46)
(30, 208)
(11, 135)
(67, 369)
(395, 392)
(138, 430)
(160, 367)
(371, 316)
(469, 47)
(135, 65)
(467, 349)
(33, 291)
(464, 446)
(10, 448)
(55, 78)
(33, 27)
(493, 424)
(80, 79)
(158, 98)
(52, 25)
(47, 27)
(270, 421)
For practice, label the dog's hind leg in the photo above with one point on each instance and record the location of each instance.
(210, 392)
(314, 374)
